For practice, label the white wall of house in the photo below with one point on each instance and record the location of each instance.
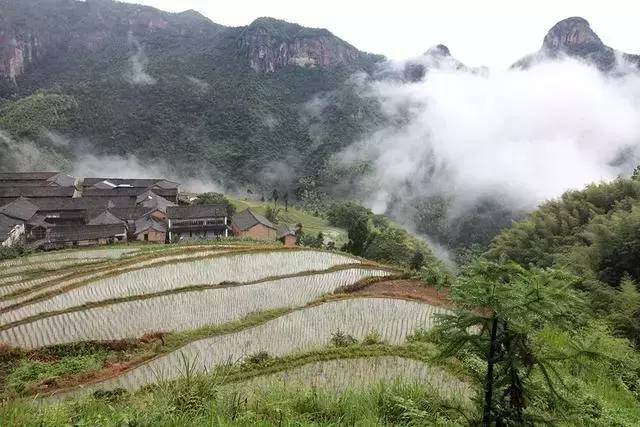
(15, 235)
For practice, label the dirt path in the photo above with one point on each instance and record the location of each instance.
(405, 288)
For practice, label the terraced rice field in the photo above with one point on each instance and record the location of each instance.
(241, 267)
(188, 310)
(359, 373)
(68, 255)
(302, 330)
(123, 293)
(51, 284)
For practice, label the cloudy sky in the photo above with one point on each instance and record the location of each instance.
(489, 32)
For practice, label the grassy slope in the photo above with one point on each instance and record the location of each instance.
(311, 224)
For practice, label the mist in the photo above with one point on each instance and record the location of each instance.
(138, 61)
(519, 136)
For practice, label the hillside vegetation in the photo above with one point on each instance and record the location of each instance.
(547, 319)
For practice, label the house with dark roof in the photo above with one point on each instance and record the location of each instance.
(76, 210)
(105, 218)
(251, 224)
(36, 179)
(108, 187)
(21, 208)
(85, 235)
(11, 230)
(287, 235)
(9, 194)
(149, 199)
(148, 229)
(197, 222)
(14, 217)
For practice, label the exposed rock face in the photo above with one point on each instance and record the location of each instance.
(438, 56)
(18, 51)
(269, 48)
(438, 50)
(574, 37)
(572, 34)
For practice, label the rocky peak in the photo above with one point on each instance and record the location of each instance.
(271, 44)
(574, 37)
(438, 50)
(571, 34)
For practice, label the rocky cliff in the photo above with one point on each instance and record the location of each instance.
(270, 44)
(574, 37)
(18, 50)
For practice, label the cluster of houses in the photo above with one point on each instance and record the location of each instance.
(51, 210)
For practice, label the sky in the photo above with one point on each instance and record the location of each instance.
(494, 33)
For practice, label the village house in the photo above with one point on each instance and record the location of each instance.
(36, 179)
(196, 222)
(85, 235)
(11, 230)
(149, 229)
(250, 224)
(149, 199)
(120, 187)
(13, 220)
(287, 235)
(132, 215)
(9, 194)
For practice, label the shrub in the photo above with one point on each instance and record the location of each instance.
(272, 214)
(340, 339)
(258, 358)
(372, 338)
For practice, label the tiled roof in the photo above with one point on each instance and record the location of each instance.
(247, 218)
(135, 183)
(285, 230)
(105, 218)
(33, 192)
(198, 211)
(21, 209)
(149, 199)
(129, 213)
(144, 224)
(26, 176)
(82, 203)
(125, 191)
(74, 233)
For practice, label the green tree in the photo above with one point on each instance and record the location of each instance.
(358, 236)
(615, 245)
(272, 214)
(346, 214)
(625, 312)
(500, 308)
(417, 261)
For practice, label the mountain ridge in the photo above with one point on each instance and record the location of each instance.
(574, 37)
(124, 79)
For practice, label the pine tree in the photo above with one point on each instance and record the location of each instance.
(499, 310)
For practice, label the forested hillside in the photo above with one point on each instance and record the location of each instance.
(131, 89)
(126, 79)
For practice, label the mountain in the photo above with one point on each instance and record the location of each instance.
(126, 79)
(574, 37)
(267, 105)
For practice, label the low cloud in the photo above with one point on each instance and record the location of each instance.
(522, 136)
(138, 62)
(201, 87)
